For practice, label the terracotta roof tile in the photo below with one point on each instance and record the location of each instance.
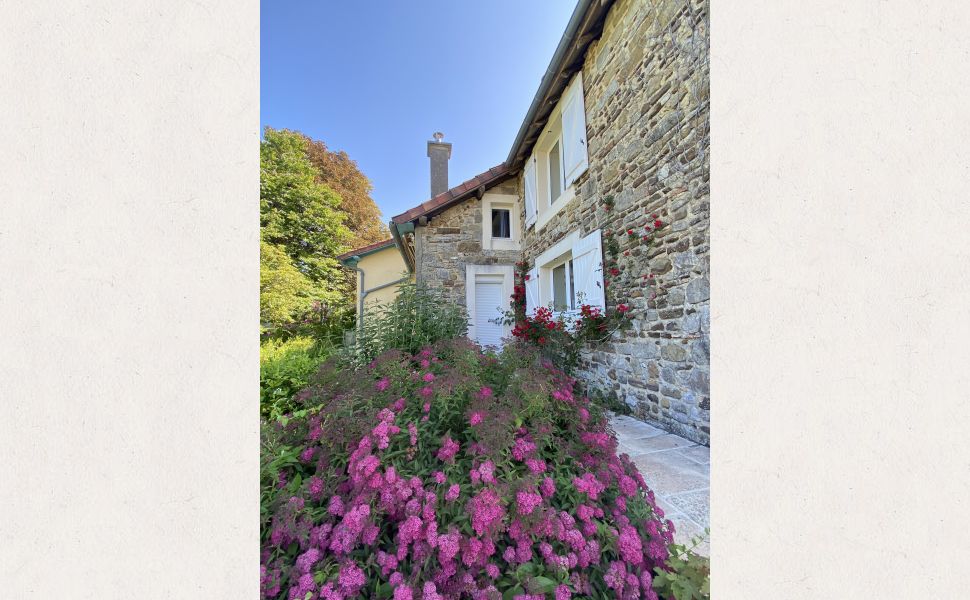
(456, 194)
(368, 248)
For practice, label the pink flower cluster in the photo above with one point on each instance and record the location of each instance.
(377, 508)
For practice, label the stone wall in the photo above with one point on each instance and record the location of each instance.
(452, 240)
(647, 108)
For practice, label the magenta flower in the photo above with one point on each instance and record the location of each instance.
(452, 494)
(448, 450)
(351, 578)
(382, 384)
(476, 418)
(630, 545)
(315, 486)
(526, 502)
(431, 592)
(485, 392)
(536, 465)
(486, 510)
(428, 377)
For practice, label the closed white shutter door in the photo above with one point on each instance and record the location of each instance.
(532, 291)
(489, 298)
(529, 178)
(588, 270)
(575, 157)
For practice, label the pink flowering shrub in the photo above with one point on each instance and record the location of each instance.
(454, 474)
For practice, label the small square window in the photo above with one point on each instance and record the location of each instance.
(501, 223)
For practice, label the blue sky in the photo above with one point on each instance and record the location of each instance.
(376, 79)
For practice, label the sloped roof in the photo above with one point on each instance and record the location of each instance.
(460, 192)
(368, 249)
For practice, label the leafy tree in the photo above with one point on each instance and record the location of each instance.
(342, 174)
(300, 218)
(284, 292)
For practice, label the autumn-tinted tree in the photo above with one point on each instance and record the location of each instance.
(342, 174)
(300, 218)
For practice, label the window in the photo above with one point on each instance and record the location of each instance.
(501, 223)
(558, 159)
(563, 287)
(568, 275)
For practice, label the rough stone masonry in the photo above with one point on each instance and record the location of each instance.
(647, 115)
(647, 82)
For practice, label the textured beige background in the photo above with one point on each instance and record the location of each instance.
(128, 286)
(129, 178)
(840, 299)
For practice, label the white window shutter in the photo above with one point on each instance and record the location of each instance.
(532, 291)
(575, 157)
(529, 177)
(588, 270)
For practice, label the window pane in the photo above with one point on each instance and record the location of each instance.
(559, 288)
(501, 224)
(555, 173)
(572, 286)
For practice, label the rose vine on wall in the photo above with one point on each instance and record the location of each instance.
(562, 336)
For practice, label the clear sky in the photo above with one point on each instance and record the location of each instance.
(377, 78)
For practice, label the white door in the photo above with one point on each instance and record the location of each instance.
(489, 300)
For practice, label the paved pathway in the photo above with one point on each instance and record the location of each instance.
(677, 470)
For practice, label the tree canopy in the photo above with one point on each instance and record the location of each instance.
(300, 219)
(341, 173)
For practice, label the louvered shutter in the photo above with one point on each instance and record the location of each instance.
(588, 270)
(529, 177)
(575, 157)
(532, 291)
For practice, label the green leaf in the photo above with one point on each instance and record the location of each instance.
(543, 585)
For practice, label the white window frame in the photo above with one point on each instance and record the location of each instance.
(546, 262)
(505, 202)
(471, 275)
(565, 260)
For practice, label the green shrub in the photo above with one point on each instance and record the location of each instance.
(688, 576)
(285, 367)
(416, 318)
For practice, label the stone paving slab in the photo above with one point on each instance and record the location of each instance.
(633, 429)
(699, 454)
(677, 470)
(667, 441)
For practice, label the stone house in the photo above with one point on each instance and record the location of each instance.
(623, 112)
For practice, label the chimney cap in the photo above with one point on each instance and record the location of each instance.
(438, 136)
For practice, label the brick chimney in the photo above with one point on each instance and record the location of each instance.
(439, 152)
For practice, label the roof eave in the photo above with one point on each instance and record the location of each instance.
(584, 26)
